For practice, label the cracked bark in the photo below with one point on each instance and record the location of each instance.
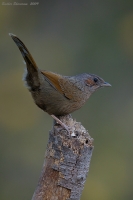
(66, 164)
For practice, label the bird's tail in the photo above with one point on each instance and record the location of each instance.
(24, 51)
(32, 75)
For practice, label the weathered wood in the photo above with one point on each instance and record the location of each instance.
(66, 163)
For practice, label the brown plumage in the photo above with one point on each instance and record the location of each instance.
(56, 94)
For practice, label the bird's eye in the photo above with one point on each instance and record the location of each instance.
(95, 80)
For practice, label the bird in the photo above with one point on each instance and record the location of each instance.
(56, 94)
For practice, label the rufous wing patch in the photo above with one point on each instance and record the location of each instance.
(54, 79)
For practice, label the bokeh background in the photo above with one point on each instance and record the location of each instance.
(68, 37)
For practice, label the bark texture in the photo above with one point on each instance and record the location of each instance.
(66, 163)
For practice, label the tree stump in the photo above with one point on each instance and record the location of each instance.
(66, 164)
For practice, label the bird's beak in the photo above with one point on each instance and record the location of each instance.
(106, 84)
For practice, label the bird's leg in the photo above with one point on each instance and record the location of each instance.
(61, 123)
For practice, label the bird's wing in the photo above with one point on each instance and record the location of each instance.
(53, 80)
(69, 86)
(62, 84)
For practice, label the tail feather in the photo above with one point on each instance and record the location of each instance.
(24, 51)
(32, 78)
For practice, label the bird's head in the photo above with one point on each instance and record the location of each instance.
(93, 82)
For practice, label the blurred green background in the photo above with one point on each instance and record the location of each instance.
(68, 37)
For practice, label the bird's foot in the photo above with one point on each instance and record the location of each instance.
(67, 128)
